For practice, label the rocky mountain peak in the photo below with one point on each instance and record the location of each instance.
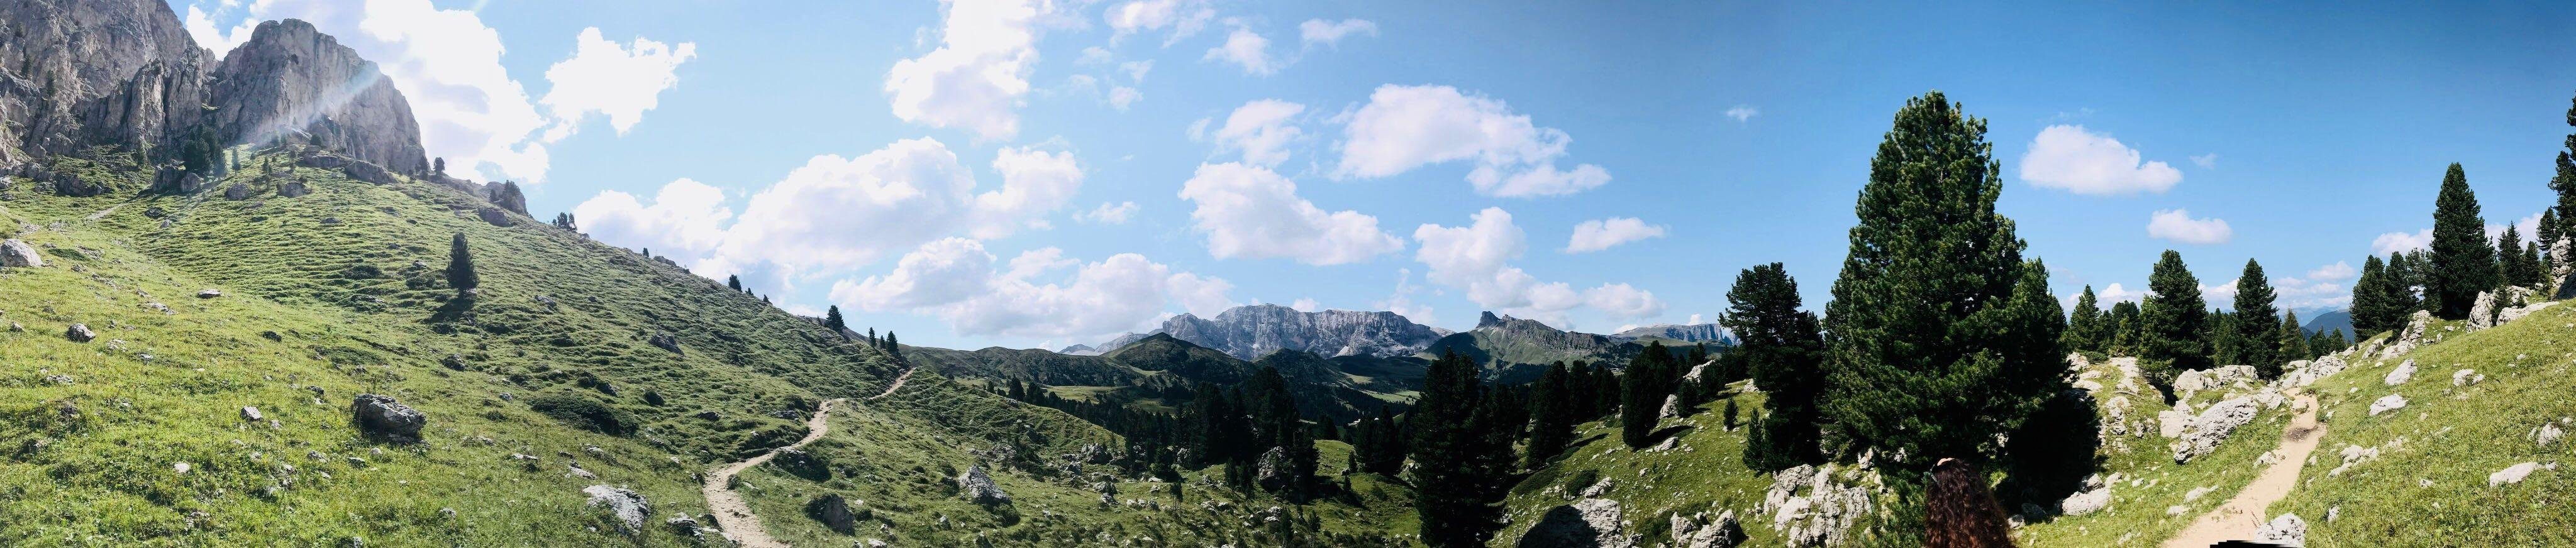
(293, 84)
(1250, 332)
(75, 74)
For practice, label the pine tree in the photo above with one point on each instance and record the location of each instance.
(1454, 449)
(2375, 304)
(2084, 330)
(1932, 340)
(2512, 268)
(893, 349)
(1643, 387)
(2257, 322)
(832, 321)
(1276, 425)
(2462, 263)
(460, 267)
(1553, 412)
(734, 282)
(2171, 337)
(2294, 344)
(2534, 269)
(2565, 181)
(1783, 348)
(1605, 391)
(2123, 337)
(2549, 232)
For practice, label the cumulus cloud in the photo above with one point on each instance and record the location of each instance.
(2116, 293)
(1246, 49)
(976, 78)
(1475, 259)
(1401, 300)
(2069, 158)
(1250, 211)
(2324, 286)
(2393, 242)
(1108, 213)
(1262, 130)
(1034, 183)
(1406, 127)
(1600, 234)
(617, 81)
(2178, 225)
(2206, 161)
(686, 219)
(954, 279)
(1743, 113)
(1331, 33)
(1184, 17)
(1306, 305)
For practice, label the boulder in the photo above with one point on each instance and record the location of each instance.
(209, 294)
(2511, 474)
(79, 333)
(1590, 523)
(1824, 516)
(382, 415)
(16, 253)
(2391, 402)
(292, 189)
(2547, 434)
(493, 215)
(2287, 530)
(2482, 315)
(70, 184)
(2404, 372)
(1672, 407)
(665, 341)
(252, 414)
(2212, 426)
(1272, 472)
(237, 192)
(1699, 531)
(2086, 502)
(626, 505)
(977, 486)
(833, 511)
(2466, 377)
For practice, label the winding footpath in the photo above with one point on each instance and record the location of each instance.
(733, 515)
(2244, 514)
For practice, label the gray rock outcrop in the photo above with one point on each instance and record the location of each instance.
(978, 486)
(493, 215)
(1250, 332)
(833, 511)
(2287, 530)
(1705, 332)
(2391, 402)
(2212, 426)
(1810, 509)
(2404, 372)
(100, 72)
(382, 415)
(1700, 531)
(14, 253)
(628, 506)
(292, 84)
(79, 333)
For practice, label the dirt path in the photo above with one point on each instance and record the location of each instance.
(732, 514)
(2241, 516)
(898, 384)
(102, 214)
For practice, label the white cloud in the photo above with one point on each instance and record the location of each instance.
(2206, 161)
(1261, 129)
(977, 76)
(954, 280)
(1185, 17)
(1331, 33)
(1095, 55)
(1246, 49)
(1475, 258)
(1406, 127)
(1743, 113)
(1108, 213)
(1306, 305)
(1401, 300)
(2393, 242)
(1623, 301)
(1251, 212)
(616, 81)
(2178, 225)
(686, 219)
(446, 62)
(1034, 183)
(1120, 97)
(2337, 271)
(1600, 234)
(1694, 320)
(2325, 286)
(2221, 295)
(835, 213)
(2527, 228)
(2115, 293)
(2070, 158)
(1136, 70)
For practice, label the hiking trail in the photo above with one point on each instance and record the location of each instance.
(2242, 515)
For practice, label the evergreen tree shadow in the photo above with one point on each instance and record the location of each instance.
(454, 311)
(1670, 432)
(2052, 453)
(1561, 526)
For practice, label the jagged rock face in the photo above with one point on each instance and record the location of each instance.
(1250, 332)
(1706, 332)
(628, 506)
(290, 83)
(96, 72)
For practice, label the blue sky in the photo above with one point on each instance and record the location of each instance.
(961, 172)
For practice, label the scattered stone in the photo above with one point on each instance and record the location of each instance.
(493, 215)
(1698, 531)
(665, 341)
(1822, 517)
(79, 333)
(979, 487)
(2212, 426)
(209, 294)
(383, 415)
(14, 253)
(1672, 407)
(252, 414)
(2511, 474)
(292, 189)
(2391, 402)
(237, 192)
(2547, 434)
(2466, 377)
(2404, 372)
(834, 512)
(2287, 530)
(329, 221)
(629, 506)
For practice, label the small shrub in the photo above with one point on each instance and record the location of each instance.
(1582, 479)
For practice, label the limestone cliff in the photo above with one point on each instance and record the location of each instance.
(76, 74)
(292, 84)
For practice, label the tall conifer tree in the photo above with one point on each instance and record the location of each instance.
(1784, 349)
(2084, 331)
(1643, 387)
(2258, 322)
(1553, 416)
(1455, 449)
(2173, 321)
(2375, 306)
(2463, 264)
(2294, 343)
(460, 267)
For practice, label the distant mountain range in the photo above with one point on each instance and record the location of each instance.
(2328, 321)
(1693, 333)
(1160, 371)
(1250, 332)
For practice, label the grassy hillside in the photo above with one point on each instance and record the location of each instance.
(138, 438)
